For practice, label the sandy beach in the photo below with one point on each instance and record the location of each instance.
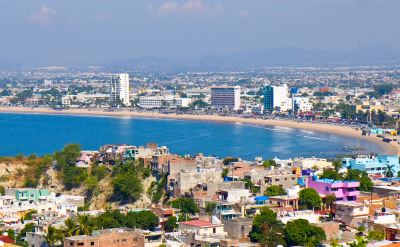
(389, 148)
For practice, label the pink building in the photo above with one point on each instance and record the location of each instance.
(343, 190)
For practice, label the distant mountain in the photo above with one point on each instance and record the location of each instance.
(289, 56)
(299, 57)
(140, 64)
(373, 55)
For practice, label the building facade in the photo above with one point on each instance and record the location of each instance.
(225, 97)
(119, 89)
(116, 237)
(158, 102)
(373, 164)
(275, 97)
(343, 190)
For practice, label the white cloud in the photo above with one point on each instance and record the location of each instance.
(43, 16)
(198, 7)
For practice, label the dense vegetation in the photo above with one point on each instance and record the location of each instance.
(85, 225)
(351, 175)
(268, 231)
(186, 205)
(275, 190)
(309, 199)
(125, 178)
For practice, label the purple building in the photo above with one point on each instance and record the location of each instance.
(343, 190)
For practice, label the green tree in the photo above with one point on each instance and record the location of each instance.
(275, 190)
(73, 177)
(301, 233)
(210, 207)
(331, 174)
(337, 164)
(145, 220)
(186, 205)
(376, 234)
(266, 229)
(359, 242)
(22, 234)
(228, 160)
(127, 182)
(200, 104)
(224, 172)
(269, 163)
(309, 198)
(70, 227)
(2, 190)
(329, 200)
(360, 176)
(11, 233)
(68, 156)
(99, 172)
(110, 219)
(170, 224)
(389, 171)
(85, 225)
(53, 236)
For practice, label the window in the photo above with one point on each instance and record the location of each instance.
(91, 243)
(214, 230)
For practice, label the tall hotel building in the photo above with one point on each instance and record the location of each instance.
(225, 97)
(119, 89)
(275, 96)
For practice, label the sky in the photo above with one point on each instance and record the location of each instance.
(77, 32)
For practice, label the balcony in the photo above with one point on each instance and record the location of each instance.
(353, 193)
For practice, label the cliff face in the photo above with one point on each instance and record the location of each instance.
(25, 172)
(12, 173)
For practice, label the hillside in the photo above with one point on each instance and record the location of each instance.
(102, 185)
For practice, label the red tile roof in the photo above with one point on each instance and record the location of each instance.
(6, 239)
(199, 223)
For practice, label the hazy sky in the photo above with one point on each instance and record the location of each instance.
(96, 31)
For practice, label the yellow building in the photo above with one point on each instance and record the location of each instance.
(367, 106)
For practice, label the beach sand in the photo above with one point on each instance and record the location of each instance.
(388, 148)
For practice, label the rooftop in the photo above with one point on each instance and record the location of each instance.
(199, 223)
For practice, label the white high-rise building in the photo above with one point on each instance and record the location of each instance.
(281, 95)
(119, 89)
(225, 97)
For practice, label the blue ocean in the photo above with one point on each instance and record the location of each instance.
(42, 134)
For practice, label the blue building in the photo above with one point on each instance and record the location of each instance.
(373, 164)
(268, 92)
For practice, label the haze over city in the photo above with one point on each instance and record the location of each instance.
(200, 123)
(100, 32)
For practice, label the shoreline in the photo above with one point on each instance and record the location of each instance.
(387, 148)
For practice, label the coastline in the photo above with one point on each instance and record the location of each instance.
(389, 148)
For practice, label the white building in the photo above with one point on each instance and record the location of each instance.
(225, 97)
(66, 101)
(277, 97)
(159, 101)
(302, 104)
(119, 89)
(47, 83)
(281, 98)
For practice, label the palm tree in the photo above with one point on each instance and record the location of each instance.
(85, 226)
(335, 243)
(389, 171)
(53, 236)
(360, 242)
(70, 228)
